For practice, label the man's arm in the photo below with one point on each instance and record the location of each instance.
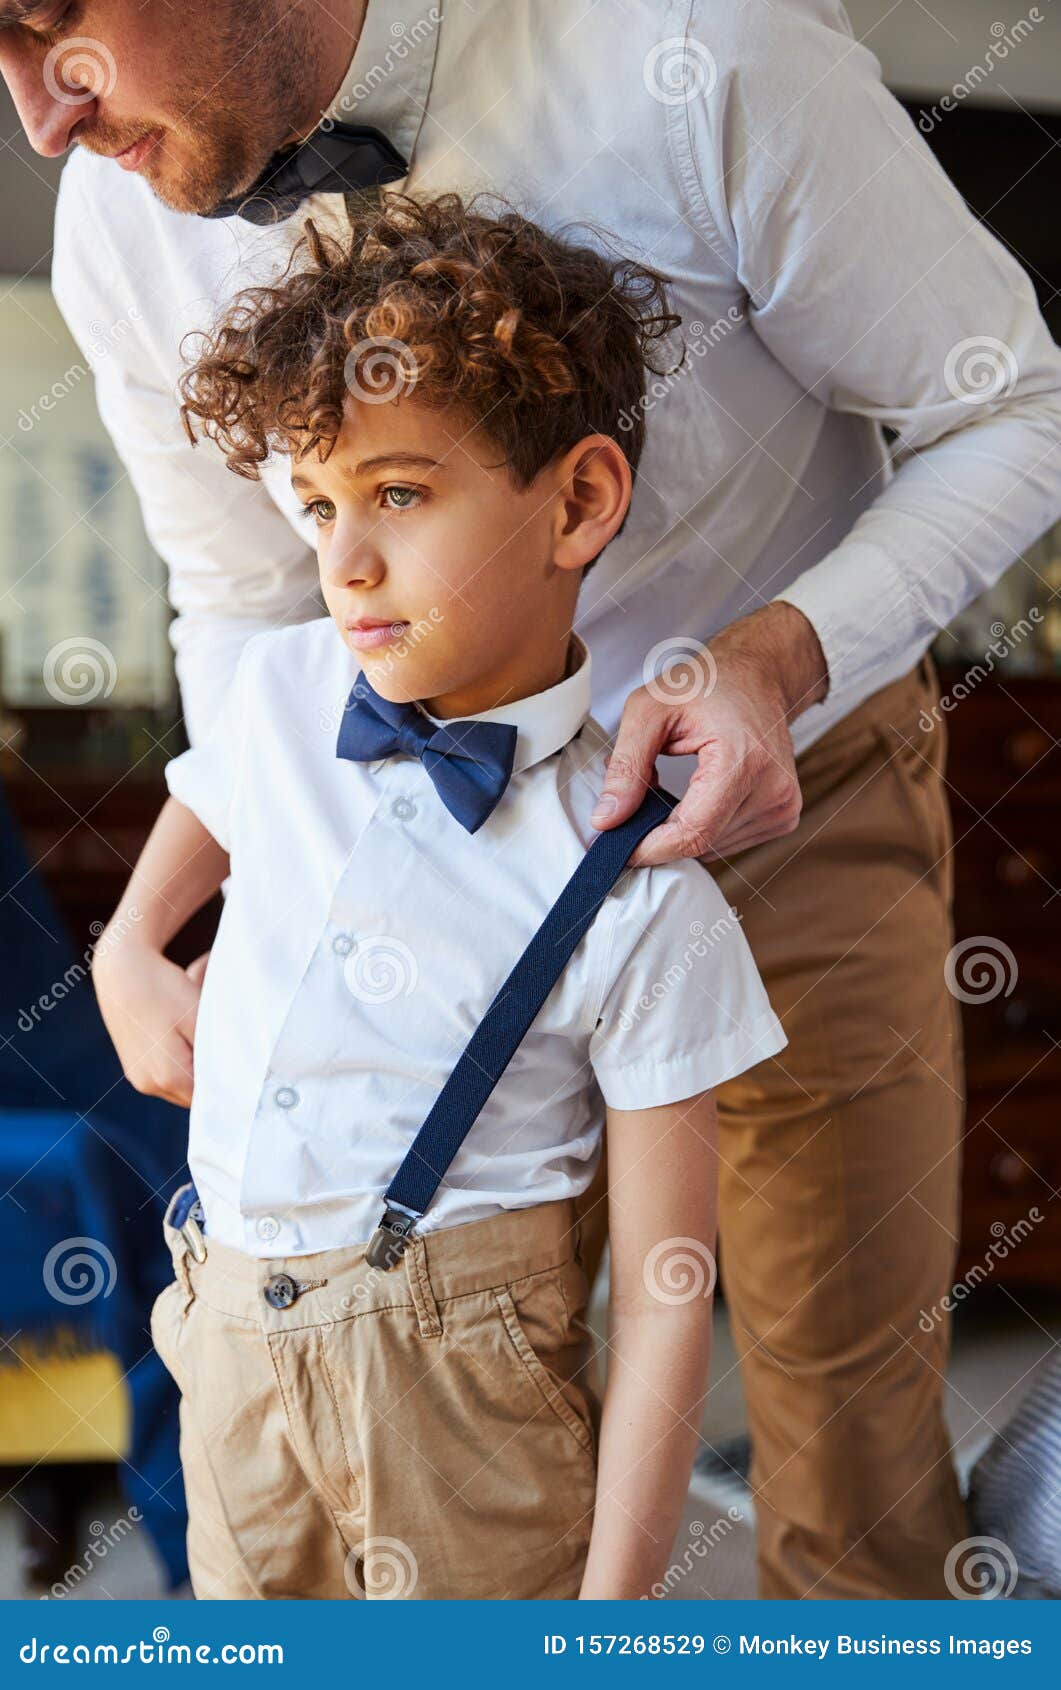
(662, 1186)
(236, 564)
(148, 1003)
(872, 283)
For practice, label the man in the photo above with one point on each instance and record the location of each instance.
(832, 284)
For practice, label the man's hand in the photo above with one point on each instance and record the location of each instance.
(731, 704)
(149, 1006)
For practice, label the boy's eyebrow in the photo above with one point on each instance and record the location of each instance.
(396, 460)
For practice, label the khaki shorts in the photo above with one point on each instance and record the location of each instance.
(425, 1433)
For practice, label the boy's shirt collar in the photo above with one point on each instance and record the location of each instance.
(544, 721)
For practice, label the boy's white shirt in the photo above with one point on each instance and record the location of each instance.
(365, 933)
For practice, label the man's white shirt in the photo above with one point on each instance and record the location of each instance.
(830, 279)
(366, 932)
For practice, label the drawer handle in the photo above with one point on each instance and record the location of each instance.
(1025, 747)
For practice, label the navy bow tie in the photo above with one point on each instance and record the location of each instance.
(341, 158)
(469, 762)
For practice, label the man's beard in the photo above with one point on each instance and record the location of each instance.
(254, 62)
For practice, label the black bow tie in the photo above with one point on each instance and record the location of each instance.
(339, 159)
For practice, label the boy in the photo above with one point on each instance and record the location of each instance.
(400, 792)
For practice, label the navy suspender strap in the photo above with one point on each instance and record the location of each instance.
(497, 1037)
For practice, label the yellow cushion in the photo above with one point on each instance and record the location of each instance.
(63, 1408)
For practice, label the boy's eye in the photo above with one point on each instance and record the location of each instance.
(406, 497)
(322, 510)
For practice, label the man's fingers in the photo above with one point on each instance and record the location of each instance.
(632, 764)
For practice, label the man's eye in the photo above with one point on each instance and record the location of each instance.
(61, 19)
(407, 497)
(321, 510)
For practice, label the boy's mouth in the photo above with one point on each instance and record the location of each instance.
(367, 631)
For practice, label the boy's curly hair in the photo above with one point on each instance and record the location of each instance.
(540, 341)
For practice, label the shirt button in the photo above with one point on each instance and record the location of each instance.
(268, 1227)
(343, 944)
(286, 1097)
(403, 808)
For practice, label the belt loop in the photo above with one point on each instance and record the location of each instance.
(182, 1261)
(428, 1318)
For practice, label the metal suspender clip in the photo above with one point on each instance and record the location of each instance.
(388, 1242)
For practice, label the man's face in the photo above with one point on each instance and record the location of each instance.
(209, 87)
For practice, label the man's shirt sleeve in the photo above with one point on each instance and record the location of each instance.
(235, 563)
(206, 778)
(874, 285)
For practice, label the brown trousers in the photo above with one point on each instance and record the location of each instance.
(420, 1434)
(839, 1179)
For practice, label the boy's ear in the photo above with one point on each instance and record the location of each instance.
(593, 484)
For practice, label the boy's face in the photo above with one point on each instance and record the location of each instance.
(422, 532)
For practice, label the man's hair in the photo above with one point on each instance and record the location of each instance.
(538, 340)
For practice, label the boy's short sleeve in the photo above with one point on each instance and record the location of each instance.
(682, 1006)
(205, 777)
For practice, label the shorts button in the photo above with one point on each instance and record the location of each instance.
(280, 1291)
(268, 1227)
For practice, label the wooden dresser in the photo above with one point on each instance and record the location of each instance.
(1005, 789)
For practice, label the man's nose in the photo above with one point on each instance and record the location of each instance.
(51, 102)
